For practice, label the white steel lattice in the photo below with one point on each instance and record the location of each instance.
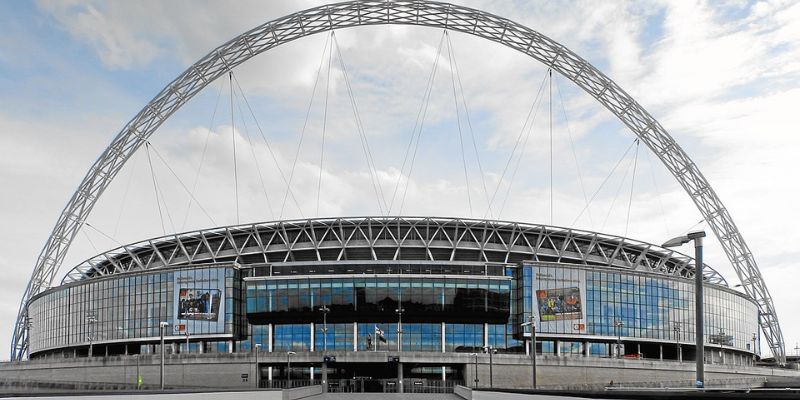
(422, 13)
(390, 239)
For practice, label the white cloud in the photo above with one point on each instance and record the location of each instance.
(724, 87)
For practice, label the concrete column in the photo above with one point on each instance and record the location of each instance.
(313, 334)
(324, 377)
(558, 347)
(269, 373)
(269, 337)
(485, 335)
(661, 352)
(355, 336)
(586, 349)
(400, 377)
(444, 373)
(443, 331)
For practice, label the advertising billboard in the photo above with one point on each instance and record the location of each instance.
(559, 294)
(559, 304)
(199, 301)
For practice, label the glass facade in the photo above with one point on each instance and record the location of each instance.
(630, 305)
(125, 308)
(578, 310)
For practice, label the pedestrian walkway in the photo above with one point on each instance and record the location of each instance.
(385, 396)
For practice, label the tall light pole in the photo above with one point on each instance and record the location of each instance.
(186, 332)
(676, 327)
(91, 319)
(490, 350)
(325, 310)
(289, 355)
(400, 312)
(532, 324)
(258, 368)
(476, 368)
(697, 237)
(754, 338)
(161, 327)
(618, 327)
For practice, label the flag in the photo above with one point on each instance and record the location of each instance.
(379, 334)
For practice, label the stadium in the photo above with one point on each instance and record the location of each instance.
(392, 303)
(343, 285)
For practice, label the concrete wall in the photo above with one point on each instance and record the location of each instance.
(237, 370)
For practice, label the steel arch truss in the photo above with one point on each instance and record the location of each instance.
(422, 13)
(390, 239)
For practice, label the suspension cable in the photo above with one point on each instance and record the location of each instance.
(619, 189)
(255, 158)
(191, 195)
(233, 140)
(155, 186)
(604, 181)
(469, 124)
(303, 131)
(516, 144)
(362, 134)
(510, 185)
(203, 155)
(102, 233)
(269, 149)
(574, 154)
(633, 178)
(419, 122)
(324, 125)
(458, 123)
(125, 195)
(550, 104)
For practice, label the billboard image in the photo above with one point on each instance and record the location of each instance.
(559, 304)
(198, 304)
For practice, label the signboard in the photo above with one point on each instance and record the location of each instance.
(559, 304)
(199, 301)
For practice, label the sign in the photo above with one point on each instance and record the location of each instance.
(559, 304)
(199, 303)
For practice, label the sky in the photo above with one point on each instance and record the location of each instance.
(722, 78)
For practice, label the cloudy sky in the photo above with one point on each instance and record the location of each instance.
(723, 79)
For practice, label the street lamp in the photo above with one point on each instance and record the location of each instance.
(754, 338)
(258, 368)
(490, 350)
(186, 332)
(676, 327)
(618, 327)
(400, 312)
(697, 237)
(476, 368)
(532, 324)
(161, 327)
(289, 355)
(91, 319)
(325, 310)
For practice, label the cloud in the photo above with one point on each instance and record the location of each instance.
(721, 80)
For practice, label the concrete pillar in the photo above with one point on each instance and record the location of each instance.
(661, 352)
(400, 377)
(444, 373)
(558, 347)
(324, 377)
(269, 373)
(443, 331)
(355, 336)
(485, 335)
(313, 334)
(269, 337)
(586, 349)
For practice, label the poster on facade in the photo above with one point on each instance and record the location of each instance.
(198, 303)
(199, 306)
(559, 304)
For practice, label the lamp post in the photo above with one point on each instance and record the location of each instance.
(161, 327)
(676, 327)
(289, 355)
(258, 368)
(697, 237)
(400, 312)
(532, 324)
(186, 332)
(618, 327)
(490, 350)
(90, 320)
(754, 338)
(476, 368)
(325, 310)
